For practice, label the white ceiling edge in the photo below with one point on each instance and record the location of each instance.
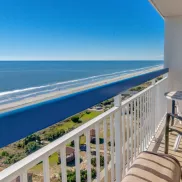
(155, 7)
(167, 8)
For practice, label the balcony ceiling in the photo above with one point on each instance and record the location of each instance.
(168, 8)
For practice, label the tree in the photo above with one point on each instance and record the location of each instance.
(31, 138)
(76, 119)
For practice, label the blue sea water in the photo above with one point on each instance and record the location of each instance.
(15, 75)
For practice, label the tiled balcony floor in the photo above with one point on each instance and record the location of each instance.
(157, 144)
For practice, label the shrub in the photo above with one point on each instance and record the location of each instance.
(31, 138)
(109, 143)
(75, 119)
(72, 144)
(13, 158)
(93, 161)
(53, 135)
(71, 175)
(138, 88)
(88, 112)
(107, 102)
(20, 145)
(158, 78)
(101, 160)
(94, 173)
(31, 147)
(4, 153)
(79, 121)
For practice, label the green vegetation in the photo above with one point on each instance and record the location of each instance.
(108, 102)
(91, 115)
(76, 119)
(71, 175)
(31, 138)
(21, 149)
(4, 153)
(93, 161)
(52, 135)
(31, 147)
(31, 143)
(11, 159)
(138, 88)
(159, 78)
(87, 112)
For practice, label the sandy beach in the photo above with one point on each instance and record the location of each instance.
(44, 97)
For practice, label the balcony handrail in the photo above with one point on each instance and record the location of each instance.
(52, 147)
(138, 94)
(27, 120)
(140, 140)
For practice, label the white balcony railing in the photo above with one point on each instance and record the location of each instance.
(129, 127)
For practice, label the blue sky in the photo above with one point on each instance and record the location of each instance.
(80, 29)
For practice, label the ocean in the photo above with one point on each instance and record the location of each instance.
(25, 74)
(22, 79)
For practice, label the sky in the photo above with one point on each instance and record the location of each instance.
(80, 30)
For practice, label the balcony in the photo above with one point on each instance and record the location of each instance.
(128, 128)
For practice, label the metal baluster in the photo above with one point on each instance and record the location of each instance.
(105, 151)
(88, 156)
(138, 133)
(97, 151)
(46, 169)
(63, 163)
(112, 147)
(134, 129)
(128, 142)
(117, 122)
(24, 177)
(124, 140)
(145, 141)
(147, 118)
(143, 121)
(141, 124)
(77, 154)
(131, 126)
(150, 114)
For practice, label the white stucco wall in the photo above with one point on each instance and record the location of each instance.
(173, 51)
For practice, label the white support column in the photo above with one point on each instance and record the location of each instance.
(173, 53)
(117, 103)
(171, 12)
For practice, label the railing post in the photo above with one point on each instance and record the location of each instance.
(153, 106)
(77, 160)
(46, 169)
(63, 163)
(24, 177)
(117, 121)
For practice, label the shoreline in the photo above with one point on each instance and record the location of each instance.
(56, 94)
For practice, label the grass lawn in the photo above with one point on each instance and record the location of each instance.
(66, 125)
(87, 117)
(53, 160)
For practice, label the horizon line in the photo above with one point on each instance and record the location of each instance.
(83, 60)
